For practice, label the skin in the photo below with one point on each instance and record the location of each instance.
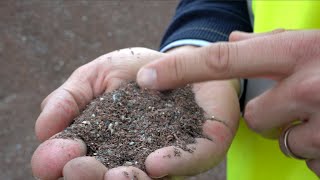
(292, 58)
(55, 158)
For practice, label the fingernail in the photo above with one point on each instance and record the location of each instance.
(147, 77)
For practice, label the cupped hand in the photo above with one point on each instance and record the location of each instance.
(55, 158)
(292, 58)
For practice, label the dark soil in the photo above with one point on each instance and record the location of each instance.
(123, 127)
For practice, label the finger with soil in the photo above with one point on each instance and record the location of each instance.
(58, 112)
(173, 161)
(84, 168)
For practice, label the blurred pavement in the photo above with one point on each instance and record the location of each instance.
(43, 41)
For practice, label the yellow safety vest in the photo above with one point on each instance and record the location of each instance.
(252, 157)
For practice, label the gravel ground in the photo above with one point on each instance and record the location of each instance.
(43, 41)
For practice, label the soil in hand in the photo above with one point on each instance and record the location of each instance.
(123, 127)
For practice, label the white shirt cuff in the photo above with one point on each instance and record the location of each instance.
(184, 42)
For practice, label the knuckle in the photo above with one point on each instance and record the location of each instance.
(179, 68)
(300, 91)
(306, 91)
(303, 48)
(80, 70)
(218, 57)
(80, 75)
(295, 49)
(219, 131)
(86, 73)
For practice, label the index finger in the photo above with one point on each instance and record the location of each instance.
(62, 105)
(268, 56)
(66, 102)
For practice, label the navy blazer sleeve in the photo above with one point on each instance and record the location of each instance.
(209, 20)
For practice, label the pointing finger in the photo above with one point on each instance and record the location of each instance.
(267, 56)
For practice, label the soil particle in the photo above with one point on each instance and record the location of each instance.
(176, 152)
(123, 127)
(126, 174)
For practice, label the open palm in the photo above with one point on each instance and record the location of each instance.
(55, 158)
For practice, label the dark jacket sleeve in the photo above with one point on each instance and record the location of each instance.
(209, 20)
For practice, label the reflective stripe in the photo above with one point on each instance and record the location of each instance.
(252, 157)
(249, 3)
(286, 14)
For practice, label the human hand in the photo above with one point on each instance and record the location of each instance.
(65, 157)
(292, 58)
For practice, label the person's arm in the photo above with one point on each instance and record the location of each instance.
(201, 22)
(56, 157)
(289, 57)
(49, 161)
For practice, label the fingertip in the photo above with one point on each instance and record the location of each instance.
(84, 168)
(314, 165)
(239, 35)
(59, 109)
(165, 73)
(44, 129)
(55, 117)
(38, 133)
(234, 36)
(173, 161)
(155, 162)
(50, 157)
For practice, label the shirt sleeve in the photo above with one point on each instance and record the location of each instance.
(201, 22)
(206, 21)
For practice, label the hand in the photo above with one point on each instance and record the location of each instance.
(292, 58)
(65, 157)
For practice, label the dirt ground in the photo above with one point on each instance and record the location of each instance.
(43, 41)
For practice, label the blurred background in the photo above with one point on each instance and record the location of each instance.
(43, 41)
